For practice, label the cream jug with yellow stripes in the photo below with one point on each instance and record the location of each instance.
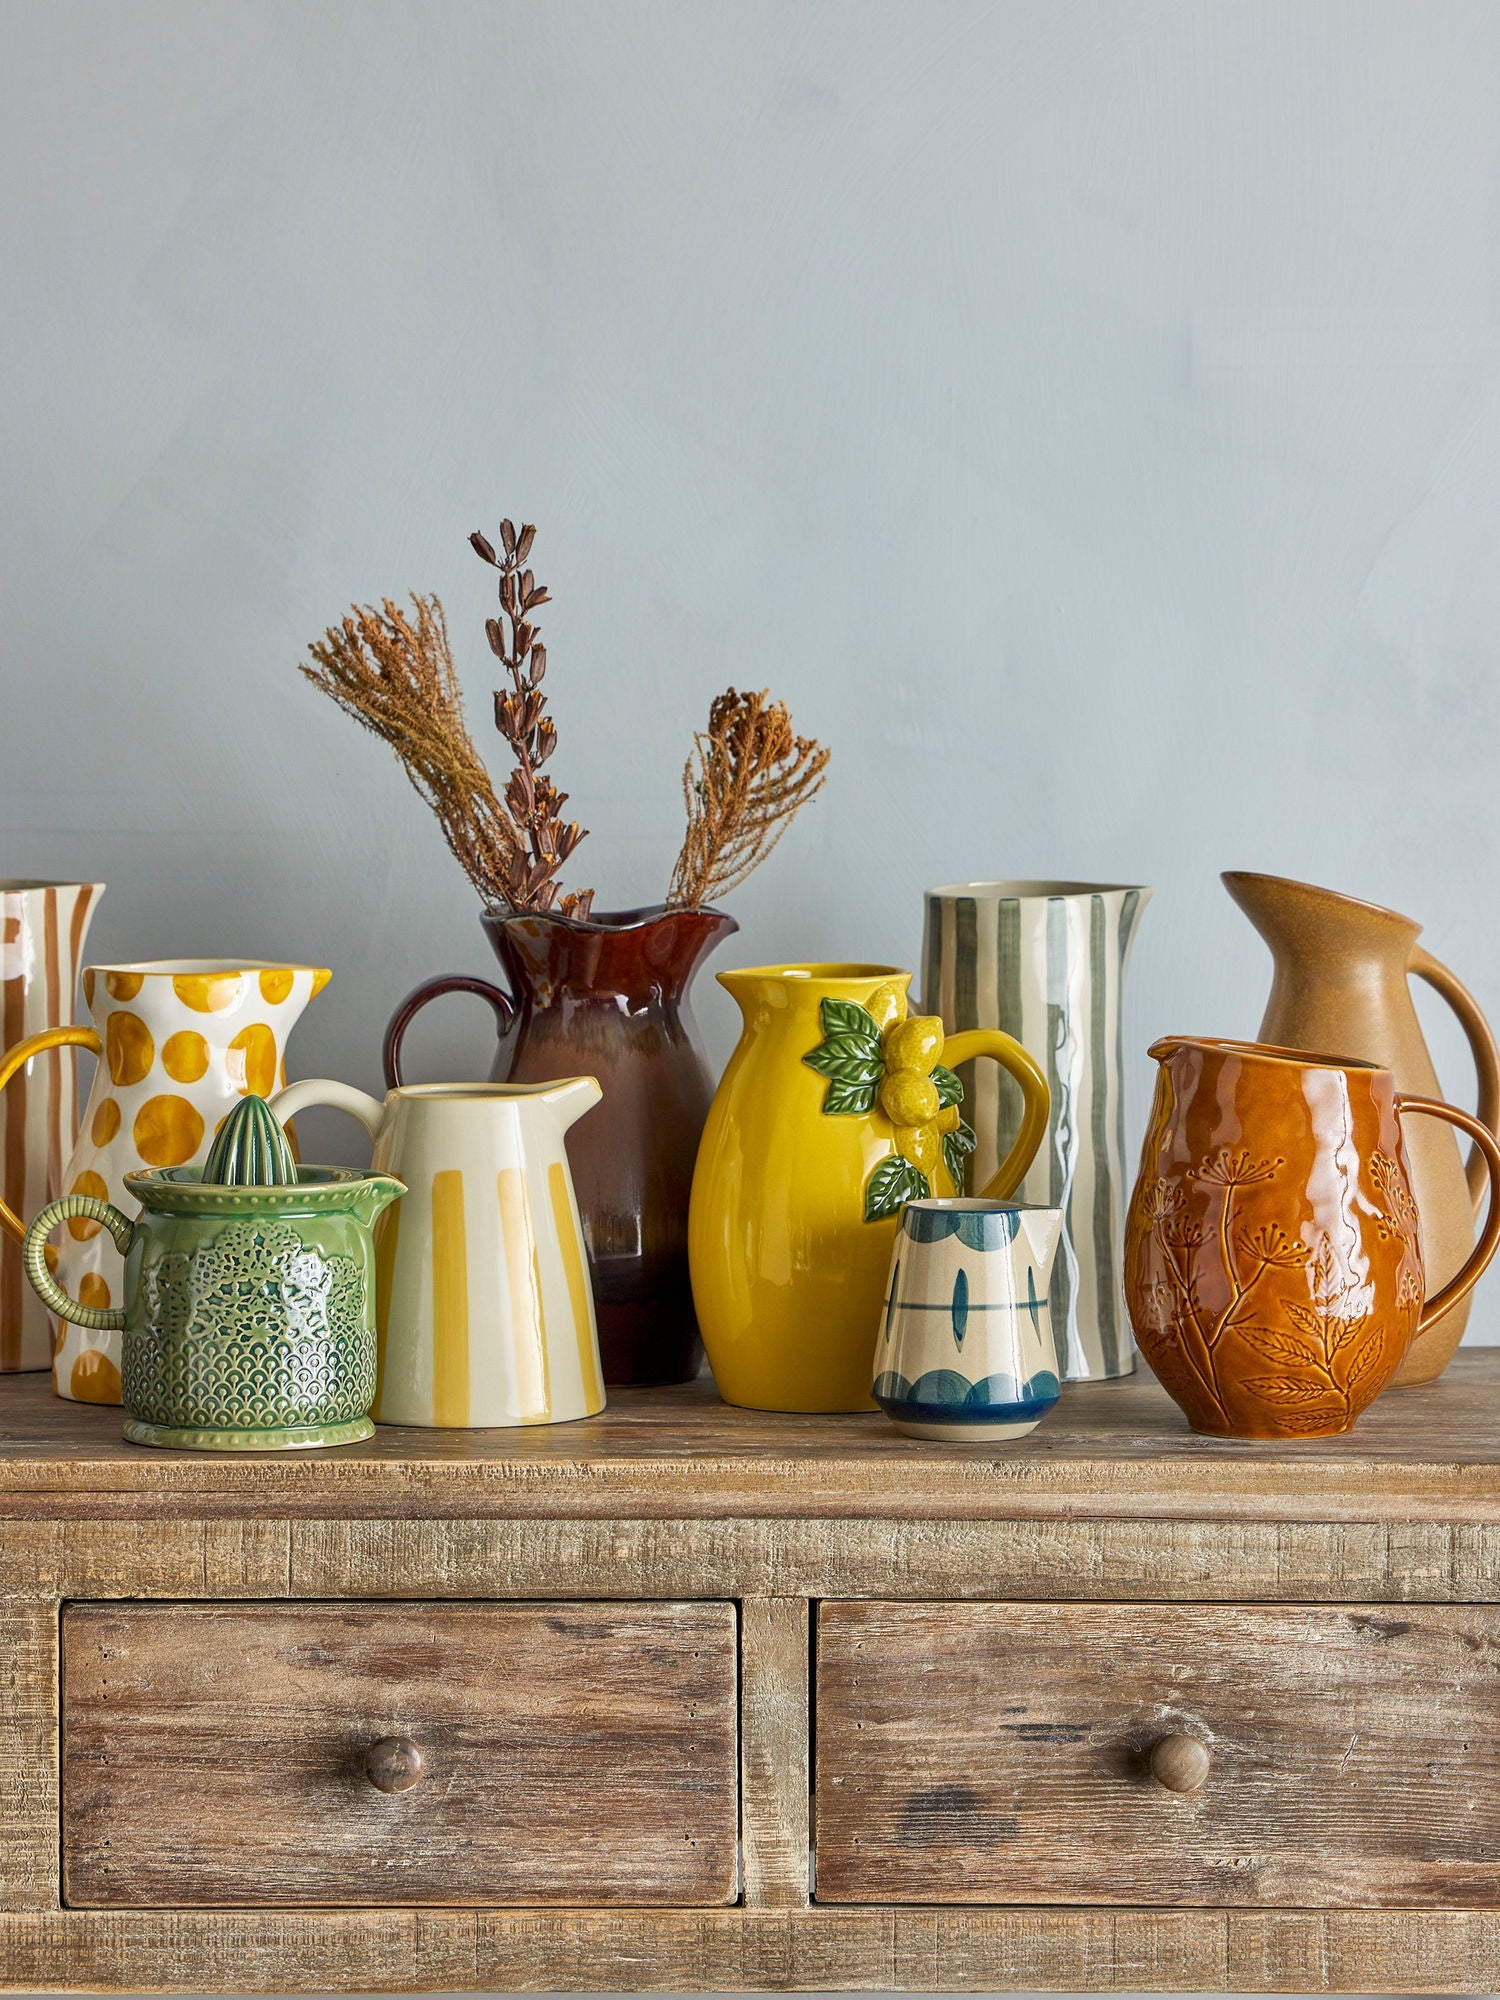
(483, 1311)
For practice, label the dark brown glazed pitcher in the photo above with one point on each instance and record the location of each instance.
(1273, 1262)
(608, 997)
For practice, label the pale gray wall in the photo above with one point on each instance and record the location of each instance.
(1088, 416)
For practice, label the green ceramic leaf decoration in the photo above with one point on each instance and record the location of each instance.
(848, 1059)
(847, 1017)
(848, 1097)
(250, 1150)
(957, 1146)
(893, 1184)
(949, 1089)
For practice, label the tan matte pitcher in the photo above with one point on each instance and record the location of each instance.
(1342, 981)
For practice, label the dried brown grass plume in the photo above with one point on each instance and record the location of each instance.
(749, 776)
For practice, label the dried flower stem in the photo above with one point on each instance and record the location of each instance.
(534, 802)
(749, 776)
(396, 679)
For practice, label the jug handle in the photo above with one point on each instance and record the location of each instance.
(336, 1096)
(1036, 1101)
(1481, 1039)
(101, 1319)
(1487, 1147)
(450, 982)
(17, 1058)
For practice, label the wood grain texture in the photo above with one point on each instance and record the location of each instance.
(999, 1753)
(775, 1809)
(574, 1754)
(1110, 1449)
(1347, 1562)
(28, 1755)
(757, 1951)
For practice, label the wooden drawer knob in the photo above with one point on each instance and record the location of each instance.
(393, 1764)
(1181, 1763)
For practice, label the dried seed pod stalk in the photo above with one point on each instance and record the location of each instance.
(749, 776)
(534, 802)
(395, 676)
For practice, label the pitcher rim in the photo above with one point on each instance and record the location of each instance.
(1041, 890)
(19, 885)
(1268, 1052)
(185, 968)
(484, 1092)
(637, 918)
(1229, 876)
(824, 972)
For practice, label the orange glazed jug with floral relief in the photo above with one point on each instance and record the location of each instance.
(1273, 1263)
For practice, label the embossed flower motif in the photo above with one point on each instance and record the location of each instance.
(1226, 1169)
(1271, 1245)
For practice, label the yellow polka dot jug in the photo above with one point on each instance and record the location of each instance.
(180, 1042)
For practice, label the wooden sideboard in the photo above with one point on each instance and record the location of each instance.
(689, 1698)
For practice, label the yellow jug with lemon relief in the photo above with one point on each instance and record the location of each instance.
(837, 1108)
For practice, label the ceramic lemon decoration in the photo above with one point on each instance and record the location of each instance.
(838, 1107)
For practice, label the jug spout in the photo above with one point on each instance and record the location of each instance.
(373, 1194)
(571, 1098)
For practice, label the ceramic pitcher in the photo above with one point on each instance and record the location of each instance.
(837, 1108)
(42, 930)
(483, 1311)
(1273, 1262)
(1342, 980)
(247, 1323)
(965, 1354)
(1046, 962)
(609, 996)
(180, 1042)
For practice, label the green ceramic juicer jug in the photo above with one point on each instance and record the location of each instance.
(250, 1294)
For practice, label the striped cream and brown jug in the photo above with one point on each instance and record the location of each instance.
(1045, 962)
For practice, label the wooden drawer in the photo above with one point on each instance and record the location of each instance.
(572, 1753)
(1000, 1753)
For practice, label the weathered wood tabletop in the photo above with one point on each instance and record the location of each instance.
(1109, 1449)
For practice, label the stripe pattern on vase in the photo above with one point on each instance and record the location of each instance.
(43, 926)
(1045, 962)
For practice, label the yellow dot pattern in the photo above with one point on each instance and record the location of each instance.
(128, 1048)
(208, 992)
(123, 985)
(275, 984)
(80, 1228)
(106, 1122)
(252, 1060)
(93, 1290)
(167, 1131)
(184, 1056)
(95, 1378)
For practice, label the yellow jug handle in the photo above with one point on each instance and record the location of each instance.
(1036, 1106)
(101, 1319)
(17, 1058)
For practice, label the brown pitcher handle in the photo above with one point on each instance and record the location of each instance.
(1481, 1038)
(417, 999)
(1487, 1147)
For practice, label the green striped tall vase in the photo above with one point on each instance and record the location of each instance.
(1046, 962)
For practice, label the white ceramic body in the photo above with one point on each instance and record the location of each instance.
(1046, 962)
(965, 1353)
(184, 1040)
(484, 1313)
(43, 926)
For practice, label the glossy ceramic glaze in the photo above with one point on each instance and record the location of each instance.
(1046, 961)
(1342, 980)
(248, 1322)
(610, 998)
(180, 1042)
(483, 1305)
(1273, 1265)
(836, 1109)
(43, 926)
(966, 1354)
